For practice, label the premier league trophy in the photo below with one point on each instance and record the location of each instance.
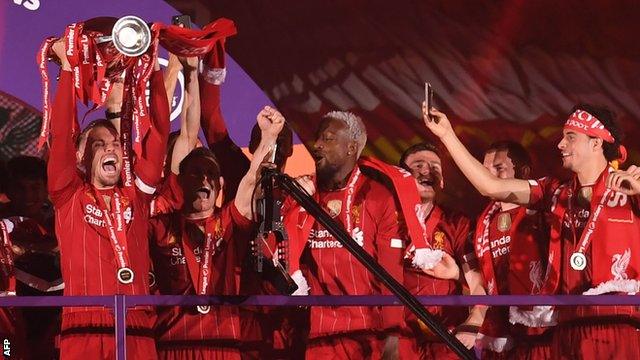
(103, 50)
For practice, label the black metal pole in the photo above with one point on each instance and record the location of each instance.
(289, 185)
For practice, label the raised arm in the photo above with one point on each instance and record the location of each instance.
(148, 168)
(113, 104)
(61, 167)
(233, 162)
(271, 123)
(508, 190)
(171, 77)
(190, 119)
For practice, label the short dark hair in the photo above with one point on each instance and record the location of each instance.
(25, 167)
(607, 117)
(516, 152)
(201, 152)
(94, 124)
(423, 146)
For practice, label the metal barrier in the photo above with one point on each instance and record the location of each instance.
(120, 303)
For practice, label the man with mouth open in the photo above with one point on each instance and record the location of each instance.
(368, 212)
(197, 250)
(595, 233)
(449, 234)
(101, 224)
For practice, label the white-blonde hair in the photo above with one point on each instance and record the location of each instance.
(355, 127)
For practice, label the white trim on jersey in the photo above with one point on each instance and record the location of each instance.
(144, 187)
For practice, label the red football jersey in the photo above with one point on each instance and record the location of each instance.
(452, 235)
(168, 198)
(573, 281)
(88, 260)
(517, 248)
(179, 324)
(332, 270)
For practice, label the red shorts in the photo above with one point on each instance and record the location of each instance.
(603, 340)
(91, 335)
(353, 346)
(533, 347)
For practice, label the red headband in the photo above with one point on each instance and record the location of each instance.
(583, 122)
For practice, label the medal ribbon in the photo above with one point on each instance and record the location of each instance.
(349, 199)
(299, 224)
(135, 114)
(564, 195)
(483, 246)
(6, 261)
(585, 239)
(200, 274)
(118, 231)
(84, 58)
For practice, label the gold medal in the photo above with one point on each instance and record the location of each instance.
(585, 194)
(504, 222)
(334, 206)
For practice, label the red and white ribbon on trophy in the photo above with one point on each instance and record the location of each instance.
(101, 49)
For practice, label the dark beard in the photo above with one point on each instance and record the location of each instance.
(325, 174)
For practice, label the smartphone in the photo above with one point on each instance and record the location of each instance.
(428, 97)
(184, 20)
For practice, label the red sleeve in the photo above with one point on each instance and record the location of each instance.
(240, 223)
(211, 120)
(233, 163)
(463, 250)
(61, 168)
(542, 192)
(390, 257)
(148, 168)
(169, 197)
(238, 228)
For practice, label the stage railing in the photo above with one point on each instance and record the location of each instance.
(120, 303)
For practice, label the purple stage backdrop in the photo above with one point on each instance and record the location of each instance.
(26, 23)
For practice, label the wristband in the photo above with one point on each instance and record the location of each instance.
(474, 329)
(112, 115)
